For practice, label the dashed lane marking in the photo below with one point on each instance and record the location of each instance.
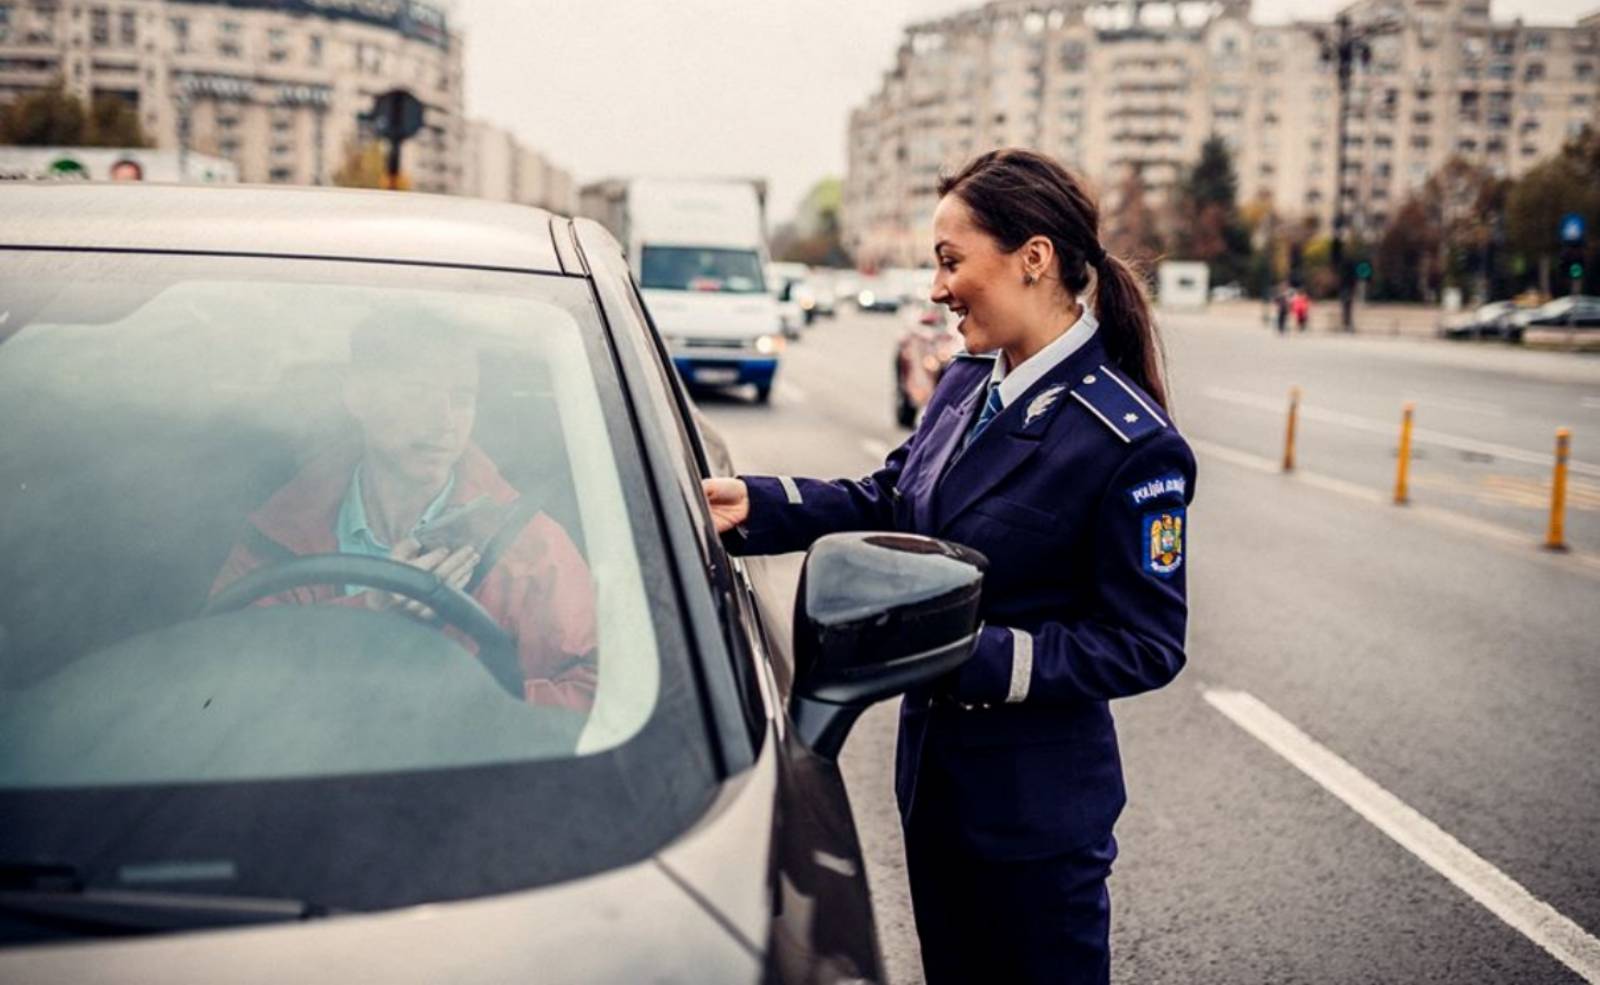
(1355, 422)
(1482, 530)
(1492, 889)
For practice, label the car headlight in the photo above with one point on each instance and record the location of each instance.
(865, 299)
(769, 344)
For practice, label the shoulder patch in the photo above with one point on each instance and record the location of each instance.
(1118, 404)
(1162, 534)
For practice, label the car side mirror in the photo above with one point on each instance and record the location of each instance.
(877, 614)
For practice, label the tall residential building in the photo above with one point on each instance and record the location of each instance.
(277, 86)
(1110, 86)
(496, 166)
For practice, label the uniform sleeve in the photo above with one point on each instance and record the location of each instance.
(1133, 640)
(789, 514)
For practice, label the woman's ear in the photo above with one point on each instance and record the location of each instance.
(1039, 257)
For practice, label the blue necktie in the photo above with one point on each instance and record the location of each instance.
(991, 407)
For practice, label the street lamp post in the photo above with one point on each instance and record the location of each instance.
(1343, 46)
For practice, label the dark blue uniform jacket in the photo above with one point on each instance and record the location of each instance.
(1076, 493)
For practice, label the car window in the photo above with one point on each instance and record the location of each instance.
(206, 462)
(693, 268)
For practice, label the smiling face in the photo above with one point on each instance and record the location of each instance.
(977, 280)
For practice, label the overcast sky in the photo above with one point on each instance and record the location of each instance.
(692, 87)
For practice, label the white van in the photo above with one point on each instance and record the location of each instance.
(698, 251)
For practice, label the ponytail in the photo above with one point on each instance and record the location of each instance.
(1128, 327)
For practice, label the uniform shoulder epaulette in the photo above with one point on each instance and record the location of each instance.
(1119, 404)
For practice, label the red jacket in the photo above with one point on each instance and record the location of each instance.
(539, 589)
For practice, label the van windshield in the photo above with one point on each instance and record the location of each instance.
(701, 268)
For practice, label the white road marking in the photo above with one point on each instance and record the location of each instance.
(1425, 435)
(877, 450)
(1582, 561)
(1492, 889)
(1589, 403)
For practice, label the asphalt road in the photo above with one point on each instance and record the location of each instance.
(1385, 750)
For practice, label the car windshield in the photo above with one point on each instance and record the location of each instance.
(326, 580)
(698, 268)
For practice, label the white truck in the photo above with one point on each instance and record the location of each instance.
(698, 251)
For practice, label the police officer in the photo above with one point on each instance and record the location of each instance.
(1053, 454)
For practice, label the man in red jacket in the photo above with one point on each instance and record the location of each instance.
(414, 397)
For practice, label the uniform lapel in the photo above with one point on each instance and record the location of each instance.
(1013, 437)
(933, 453)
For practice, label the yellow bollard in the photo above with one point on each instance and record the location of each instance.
(1555, 539)
(1400, 489)
(1288, 437)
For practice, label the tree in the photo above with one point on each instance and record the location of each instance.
(1132, 226)
(53, 117)
(1205, 217)
(814, 237)
(1568, 182)
(363, 166)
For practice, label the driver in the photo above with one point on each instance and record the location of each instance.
(417, 490)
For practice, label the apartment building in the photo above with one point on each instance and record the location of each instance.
(1110, 86)
(497, 166)
(276, 86)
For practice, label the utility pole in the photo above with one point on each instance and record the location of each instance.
(1342, 47)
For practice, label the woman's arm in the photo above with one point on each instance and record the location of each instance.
(1133, 640)
(788, 514)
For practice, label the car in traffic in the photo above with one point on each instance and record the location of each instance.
(925, 348)
(877, 294)
(605, 759)
(784, 280)
(1487, 321)
(1573, 312)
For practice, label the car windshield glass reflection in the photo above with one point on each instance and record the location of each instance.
(208, 462)
(688, 268)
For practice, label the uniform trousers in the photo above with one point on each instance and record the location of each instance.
(1017, 922)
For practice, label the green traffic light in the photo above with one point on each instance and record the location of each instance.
(1575, 271)
(1364, 270)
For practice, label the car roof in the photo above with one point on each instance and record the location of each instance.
(282, 221)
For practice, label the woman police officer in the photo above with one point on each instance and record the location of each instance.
(1054, 456)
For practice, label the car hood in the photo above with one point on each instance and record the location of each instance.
(629, 925)
(693, 914)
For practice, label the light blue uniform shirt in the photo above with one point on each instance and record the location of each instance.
(355, 534)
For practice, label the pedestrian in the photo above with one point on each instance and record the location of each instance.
(1302, 309)
(1053, 454)
(1281, 301)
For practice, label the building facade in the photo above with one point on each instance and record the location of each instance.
(496, 166)
(1113, 86)
(279, 87)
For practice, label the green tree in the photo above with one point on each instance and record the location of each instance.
(814, 236)
(53, 117)
(1205, 218)
(1568, 182)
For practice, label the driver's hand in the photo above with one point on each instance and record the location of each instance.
(454, 568)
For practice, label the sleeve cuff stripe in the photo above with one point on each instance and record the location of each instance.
(790, 489)
(1021, 666)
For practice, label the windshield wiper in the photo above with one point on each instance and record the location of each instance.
(53, 893)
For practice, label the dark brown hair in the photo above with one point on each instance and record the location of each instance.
(1016, 194)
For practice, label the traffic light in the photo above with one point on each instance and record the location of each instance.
(1364, 270)
(1575, 270)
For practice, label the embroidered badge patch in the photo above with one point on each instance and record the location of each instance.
(1163, 542)
(1162, 485)
(1042, 403)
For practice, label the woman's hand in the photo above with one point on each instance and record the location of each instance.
(729, 500)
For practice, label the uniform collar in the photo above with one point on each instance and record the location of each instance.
(1015, 382)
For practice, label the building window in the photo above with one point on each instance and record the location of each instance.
(315, 54)
(1534, 72)
(128, 28)
(1419, 142)
(100, 26)
(180, 33)
(280, 175)
(1583, 70)
(1538, 42)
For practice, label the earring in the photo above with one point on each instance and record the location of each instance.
(1027, 278)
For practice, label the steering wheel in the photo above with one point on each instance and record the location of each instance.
(496, 650)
